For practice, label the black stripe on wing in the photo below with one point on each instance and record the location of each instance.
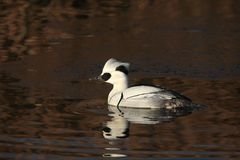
(176, 94)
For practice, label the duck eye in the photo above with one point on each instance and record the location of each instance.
(106, 76)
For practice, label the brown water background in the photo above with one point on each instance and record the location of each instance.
(50, 48)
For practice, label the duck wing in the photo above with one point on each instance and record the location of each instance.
(145, 91)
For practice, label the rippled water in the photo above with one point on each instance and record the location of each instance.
(38, 127)
(49, 50)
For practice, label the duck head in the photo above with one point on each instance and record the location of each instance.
(115, 72)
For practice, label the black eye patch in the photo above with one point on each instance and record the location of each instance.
(106, 76)
(107, 129)
(122, 69)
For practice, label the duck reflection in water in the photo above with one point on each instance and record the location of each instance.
(121, 118)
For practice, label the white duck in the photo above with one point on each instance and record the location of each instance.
(142, 96)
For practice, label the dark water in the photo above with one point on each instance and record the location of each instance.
(49, 49)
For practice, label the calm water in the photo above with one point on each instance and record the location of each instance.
(49, 49)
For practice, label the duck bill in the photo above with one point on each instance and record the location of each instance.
(98, 78)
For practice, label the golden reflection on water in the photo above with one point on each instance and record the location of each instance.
(49, 109)
(76, 125)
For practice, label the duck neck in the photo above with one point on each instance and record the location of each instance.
(118, 87)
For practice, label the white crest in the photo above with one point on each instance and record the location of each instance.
(112, 64)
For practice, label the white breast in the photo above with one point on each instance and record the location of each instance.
(141, 97)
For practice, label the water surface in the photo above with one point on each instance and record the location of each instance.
(50, 49)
